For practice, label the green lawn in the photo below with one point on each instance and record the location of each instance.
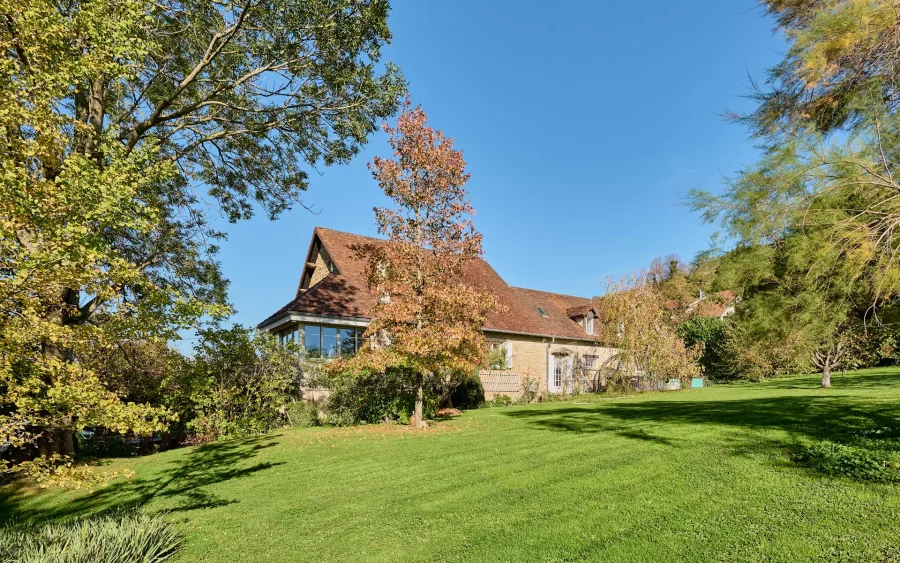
(700, 475)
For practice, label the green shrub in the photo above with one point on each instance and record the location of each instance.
(469, 394)
(118, 538)
(529, 390)
(496, 358)
(500, 401)
(701, 330)
(719, 358)
(376, 397)
(303, 414)
(235, 383)
(849, 461)
(103, 447)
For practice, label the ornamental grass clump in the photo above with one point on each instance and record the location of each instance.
(123, 537)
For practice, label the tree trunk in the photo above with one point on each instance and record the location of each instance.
(826, 376)
(420, 403)
(56, 441)
(60, 439)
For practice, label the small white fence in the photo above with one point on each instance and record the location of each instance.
(501, 382)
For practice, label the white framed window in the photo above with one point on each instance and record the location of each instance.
(562, 373)
(589, 323)
(590, 361)
(501, 354)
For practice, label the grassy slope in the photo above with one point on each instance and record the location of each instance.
(691, 476)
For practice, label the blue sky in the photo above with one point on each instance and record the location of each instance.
(583, 127)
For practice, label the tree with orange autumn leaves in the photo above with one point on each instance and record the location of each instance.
(427, 319)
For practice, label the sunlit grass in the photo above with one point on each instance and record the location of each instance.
(699, 475)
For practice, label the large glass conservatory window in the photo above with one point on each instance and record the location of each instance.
(312, 341)
(331, 342)
(349, 344)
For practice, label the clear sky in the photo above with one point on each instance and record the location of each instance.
(583, 126)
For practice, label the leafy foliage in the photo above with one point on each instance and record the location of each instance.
(469, 393)
(496, 358)
(430, 317)
(701, 330)
(841, 51)
(237, 382)
(849, 461)
(638, 328)
(709, 334)
(373, 397)
(124, 127)
(501, 400)
(303, 414)
(815, 218)
(124, 536)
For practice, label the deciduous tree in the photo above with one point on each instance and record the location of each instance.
(427, 313)
(821, 205)
(636, 324)
(125, 127)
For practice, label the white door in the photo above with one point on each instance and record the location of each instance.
(560, 374)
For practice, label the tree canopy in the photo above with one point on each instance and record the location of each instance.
(815, 219)
(126, 127)
(428, 319)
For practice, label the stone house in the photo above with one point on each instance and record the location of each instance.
(550, 341)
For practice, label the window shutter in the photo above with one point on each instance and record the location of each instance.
(508, 346)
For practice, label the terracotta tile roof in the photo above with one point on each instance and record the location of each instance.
(715, 305)
(557, 322)
(345, 293)
(580, 310)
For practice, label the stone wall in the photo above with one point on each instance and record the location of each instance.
(530, 358)
(322, 267)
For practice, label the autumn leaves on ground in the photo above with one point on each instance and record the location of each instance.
(706, 475)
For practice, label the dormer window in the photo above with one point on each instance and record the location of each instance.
(589, 323)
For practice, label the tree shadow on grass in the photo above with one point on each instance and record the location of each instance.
(882, 379)
(801, 419)
(181, 484)
(818, 417)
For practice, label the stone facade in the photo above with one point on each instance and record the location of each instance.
(323, 268)
(534, 357)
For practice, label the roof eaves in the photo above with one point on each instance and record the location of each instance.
(539, 335)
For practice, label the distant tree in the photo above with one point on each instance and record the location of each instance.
(789, 318)
(125, 128)
(427, 314)
(815, 219)
(673, 278)
(708, 333)
(838, 193)
(637, 326)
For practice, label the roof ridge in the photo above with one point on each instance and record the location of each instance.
(552, 293)
(317, 228)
